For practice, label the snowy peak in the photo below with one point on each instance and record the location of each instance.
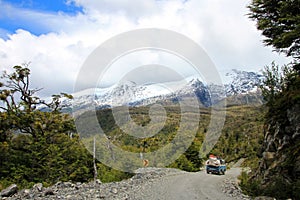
(129, 93)
(243, 82)
(197, 88)
(195, 82)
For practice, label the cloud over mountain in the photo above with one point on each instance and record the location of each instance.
(65, 40)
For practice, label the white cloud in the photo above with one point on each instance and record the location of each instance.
(228, 35)
(55, 58)
(221, 27)
(132, 9)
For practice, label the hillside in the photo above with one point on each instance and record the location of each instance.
(278, 172)
(241, 137)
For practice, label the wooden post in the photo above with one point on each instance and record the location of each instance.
(94, 160)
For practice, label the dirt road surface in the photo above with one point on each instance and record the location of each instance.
(188, 186)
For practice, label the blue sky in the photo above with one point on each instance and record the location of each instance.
(48, 6)
(57, 36)
(11, 21)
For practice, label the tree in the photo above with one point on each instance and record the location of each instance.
(279, 21)
(20, 103)
(37, 146)
(272, 84)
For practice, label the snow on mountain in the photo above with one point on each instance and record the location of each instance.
(196, 87)
(128, 92)
(131, 94)
(243, 82)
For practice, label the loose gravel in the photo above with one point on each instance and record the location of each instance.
(132, 189)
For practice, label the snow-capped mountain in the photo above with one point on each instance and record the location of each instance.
(243, 82)
(197, 88)
(131, 94)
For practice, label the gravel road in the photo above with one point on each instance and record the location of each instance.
(147, 184)
(189, 186)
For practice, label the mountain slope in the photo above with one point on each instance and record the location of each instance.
(241, 136)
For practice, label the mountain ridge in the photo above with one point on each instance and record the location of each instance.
(128, 93)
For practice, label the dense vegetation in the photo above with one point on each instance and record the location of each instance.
(278, 177)
(40, 146)
(277, 173)
(241, 136)
(279, 22)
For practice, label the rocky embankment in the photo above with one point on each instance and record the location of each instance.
(93, 190)
(231, 188)
(132, 188)
(279, 169)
